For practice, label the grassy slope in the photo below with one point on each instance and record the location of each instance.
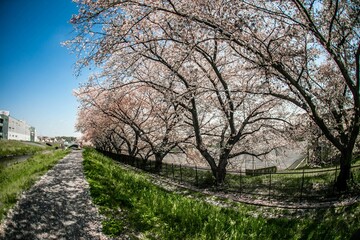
(21, 176)
(12, 148)
(132, 204)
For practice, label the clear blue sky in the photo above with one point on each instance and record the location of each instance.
(36, 72)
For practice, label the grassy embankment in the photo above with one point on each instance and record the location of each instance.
(132, 204)
(17, 148)
(19, 177)
(287, 185)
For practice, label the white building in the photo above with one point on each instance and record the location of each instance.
(14, 129)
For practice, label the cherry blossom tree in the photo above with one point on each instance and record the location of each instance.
(133, 116)
(306, 51)
(96, 129)
(226, 120)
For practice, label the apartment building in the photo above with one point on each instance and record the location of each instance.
(14, 129)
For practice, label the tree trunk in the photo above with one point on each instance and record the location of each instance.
(158, 163)
(143, 163)
(221, 170)
(345, 167)
(220, 175)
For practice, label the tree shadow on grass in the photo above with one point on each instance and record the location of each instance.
(330, 222)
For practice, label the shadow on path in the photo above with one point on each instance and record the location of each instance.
(56, 207)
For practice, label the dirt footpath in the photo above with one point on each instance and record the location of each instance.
(58, 206)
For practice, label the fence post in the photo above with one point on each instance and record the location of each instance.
(160, 170)
(180, 174)
(302, 184)
(166, 171)
(270, 187)
(172, 168)
(196, 176)
(336, 168)
(240, 181)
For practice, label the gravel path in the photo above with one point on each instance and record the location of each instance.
(58, 206)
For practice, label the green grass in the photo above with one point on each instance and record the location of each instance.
(131, 204)
(17, 148)
(21, 176)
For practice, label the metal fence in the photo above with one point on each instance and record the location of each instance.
(295, 186)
